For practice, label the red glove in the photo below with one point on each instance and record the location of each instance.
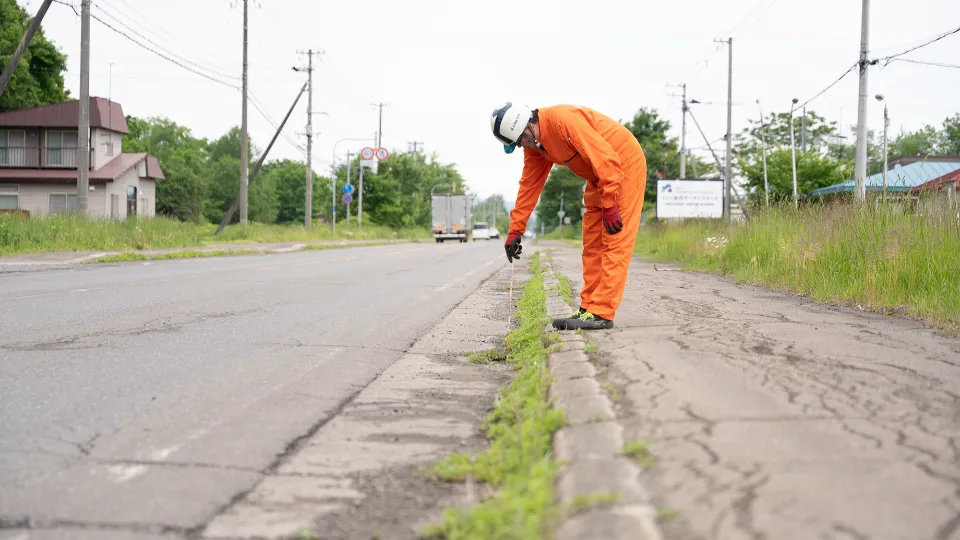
(512, 246)
(611, 220)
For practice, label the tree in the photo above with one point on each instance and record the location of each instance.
(562, 182)
(950, 137)
(825, 162)
(289, 178)
(38, 79)
(651, 132)
(183, 159)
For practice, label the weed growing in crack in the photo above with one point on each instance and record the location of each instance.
(521, 428)
(565, 288)
(583, 503)
(614, 390)
(667, 514)
(591, 348)
(639, 451)
(487, 357)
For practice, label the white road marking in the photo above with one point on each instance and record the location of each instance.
(124, 473)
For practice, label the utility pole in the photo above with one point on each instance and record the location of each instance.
(860, 170)
(228, 217)
(24, 43)
(727, 173)
(83, 161)
(414, 144)
(244, 158)
(886, 152)
(803, 130)
(683, 132)
(308, 203)
(763, 147)
(793, 157)
(380, 124)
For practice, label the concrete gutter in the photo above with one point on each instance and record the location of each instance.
(590, 446)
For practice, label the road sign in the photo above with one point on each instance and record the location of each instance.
(347, 189)
(347, 198)
(561, 213)
(366, 153)
(382, 154)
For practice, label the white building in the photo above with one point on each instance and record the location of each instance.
(38, 162)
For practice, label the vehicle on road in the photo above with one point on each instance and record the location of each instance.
(481, 231)
(451, 213)
(494, 232)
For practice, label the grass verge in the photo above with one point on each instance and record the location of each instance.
(517, 464)
(565, 288)
(185, 254)
(64, 232)
(880, 258)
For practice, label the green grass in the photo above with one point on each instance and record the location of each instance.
(639, 451)
(487, 357)
(583, 503)
(565, 288)
(591, 348)
(564, 233)
(184, 254)
(75, 233)
(882, 259)
(517, 463)
(667, 514)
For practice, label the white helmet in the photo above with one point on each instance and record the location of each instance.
(507, 122)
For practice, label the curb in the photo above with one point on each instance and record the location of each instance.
(590, 446)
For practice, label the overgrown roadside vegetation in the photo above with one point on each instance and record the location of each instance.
(881, 259)
(76, 233)
(516, 467)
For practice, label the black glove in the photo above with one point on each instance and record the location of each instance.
(512, 247)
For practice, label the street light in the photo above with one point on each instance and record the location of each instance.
(793, 156)
(763, 146)
(886, 124)
(333, 179)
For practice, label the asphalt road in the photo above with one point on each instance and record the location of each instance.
(145, 397)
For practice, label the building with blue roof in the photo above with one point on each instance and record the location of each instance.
(902, 175)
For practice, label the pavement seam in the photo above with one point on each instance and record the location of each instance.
(590, 446)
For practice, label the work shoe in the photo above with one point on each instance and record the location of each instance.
(586, 321)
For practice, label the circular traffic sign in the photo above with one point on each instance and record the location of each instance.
(347, 198)
(348, 188)
(382, 154)
(367, 153)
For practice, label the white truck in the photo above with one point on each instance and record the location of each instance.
(451, 217)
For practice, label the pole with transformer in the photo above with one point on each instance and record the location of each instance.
(308, 191)
(860, 169)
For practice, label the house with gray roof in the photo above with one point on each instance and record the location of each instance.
(39, 152)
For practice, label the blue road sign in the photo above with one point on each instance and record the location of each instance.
(347, 198)
(348, 188)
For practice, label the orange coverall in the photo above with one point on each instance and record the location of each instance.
(608, 156)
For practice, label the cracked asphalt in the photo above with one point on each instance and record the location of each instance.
(773, 417)
(142, 400)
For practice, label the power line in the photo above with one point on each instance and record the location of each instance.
(154, 51)
(886, 59)
(938, 64)
(161, 47)
(834, 83)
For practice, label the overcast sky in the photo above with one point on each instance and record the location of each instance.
(442, 66)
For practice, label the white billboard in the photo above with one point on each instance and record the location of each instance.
(689, 199)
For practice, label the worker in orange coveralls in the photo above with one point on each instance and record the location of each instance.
(606, 155)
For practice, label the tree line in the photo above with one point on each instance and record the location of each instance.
(202, 180)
